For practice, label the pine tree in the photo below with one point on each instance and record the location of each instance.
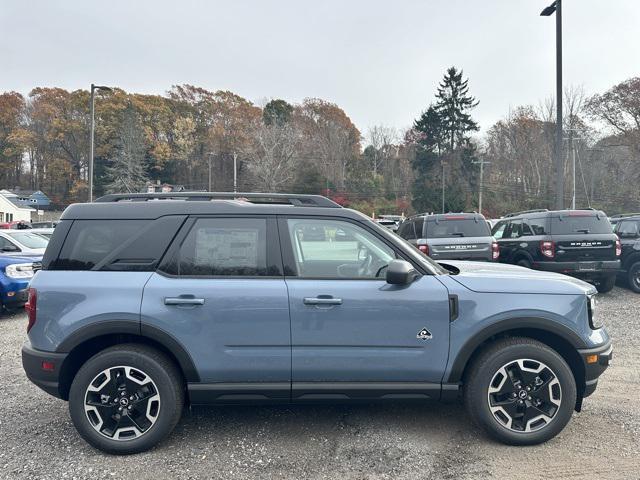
(453, 105)
(127, 172)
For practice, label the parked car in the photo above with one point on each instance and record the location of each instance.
(579, 243)
(388, 223)
(451, 236)
(614, 219)
(15, 274)
(15, 225)
(161, 303)
(51, 224)
(22, 243)
(628, 230)
(44, 232)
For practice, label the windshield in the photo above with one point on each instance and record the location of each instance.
(576, 224)
(465, 227)
(29, 240)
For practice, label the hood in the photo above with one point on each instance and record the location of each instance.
(501, 278)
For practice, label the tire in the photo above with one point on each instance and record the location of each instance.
(523, 262)
(633, 277)
(509, 355)
(606, 284)
(141, 418)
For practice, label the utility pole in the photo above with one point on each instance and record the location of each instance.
(556, 7)
(235, 173)
(91, 142)
(573, 151)
(209, 155)
(442, 186)
(482, 163)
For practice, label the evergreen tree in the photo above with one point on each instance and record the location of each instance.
(127, 172)
(453, 105)
(277, 112)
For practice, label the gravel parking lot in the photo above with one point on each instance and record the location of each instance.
(38, 441)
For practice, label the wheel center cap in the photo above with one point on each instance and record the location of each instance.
(124, 401)
(522, 394)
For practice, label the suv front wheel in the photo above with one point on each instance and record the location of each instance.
(520, 391)
(126, 399)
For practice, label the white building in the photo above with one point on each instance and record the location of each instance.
(10, 212)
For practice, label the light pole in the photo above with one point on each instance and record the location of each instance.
(556, 7)
(235, 172)
(93, 126)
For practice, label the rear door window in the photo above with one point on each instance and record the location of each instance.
(227, 247)
(579, 224)
(465, 227)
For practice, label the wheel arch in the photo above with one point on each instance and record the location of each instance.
(631, 260)
(560, 339)
(85, 344)
(522, 255)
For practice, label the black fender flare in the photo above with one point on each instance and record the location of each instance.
(147, 332)
(630, 260)
(541, 325)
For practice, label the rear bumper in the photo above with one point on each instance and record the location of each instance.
(595, 360)
(47, 379)
(584, 269)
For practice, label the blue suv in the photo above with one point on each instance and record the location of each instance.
(149, 302)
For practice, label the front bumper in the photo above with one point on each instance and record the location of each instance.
(43, 368)
(595, 361)
(592, 269)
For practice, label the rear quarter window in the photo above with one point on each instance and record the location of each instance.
(116, 245)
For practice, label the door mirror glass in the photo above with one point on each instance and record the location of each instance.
(10, 248)
(401, 272)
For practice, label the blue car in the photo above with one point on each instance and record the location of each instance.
(148, 302)
(15, 275)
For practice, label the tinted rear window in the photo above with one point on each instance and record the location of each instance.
(573, 225)
(467, 227)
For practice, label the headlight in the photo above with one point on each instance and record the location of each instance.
(594, 320)
(19, 270)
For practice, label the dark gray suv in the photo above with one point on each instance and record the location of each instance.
(451, 236)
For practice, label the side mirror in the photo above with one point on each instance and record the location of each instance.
(10, 248)
(401, 272)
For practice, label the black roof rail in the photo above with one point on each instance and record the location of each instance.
(266, 198)
(515, 214)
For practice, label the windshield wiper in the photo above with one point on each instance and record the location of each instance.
(458, 234)
(582, 230)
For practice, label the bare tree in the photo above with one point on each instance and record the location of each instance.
(382, 139)
(273, 156)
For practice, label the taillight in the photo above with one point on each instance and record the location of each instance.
(424, 249)
(30, 308)
(548, 249)
(618, 247)
(495, 250)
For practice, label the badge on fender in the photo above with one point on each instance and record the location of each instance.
(424, 334)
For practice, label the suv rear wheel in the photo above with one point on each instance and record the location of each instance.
(606, 284)
(520, 391)
(633, 277)
(126, 399)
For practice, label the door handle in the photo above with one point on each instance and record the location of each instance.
(183, 300)
(322, 301)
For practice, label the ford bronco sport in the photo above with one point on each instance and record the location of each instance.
(451, 236)
(149, 302)
(580, 243)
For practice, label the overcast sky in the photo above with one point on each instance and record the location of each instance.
(379, 60)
